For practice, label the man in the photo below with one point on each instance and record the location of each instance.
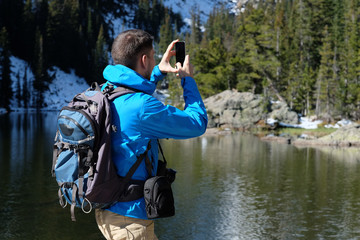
(140, 118)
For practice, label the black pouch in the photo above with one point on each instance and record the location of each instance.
(159, 199)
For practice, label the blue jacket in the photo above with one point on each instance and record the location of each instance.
(139, 117)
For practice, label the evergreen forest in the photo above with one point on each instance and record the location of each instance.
(303, 52)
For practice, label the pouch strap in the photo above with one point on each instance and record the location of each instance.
(161, 151)
(137, 163)
(148, 165)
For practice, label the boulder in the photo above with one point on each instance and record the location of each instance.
(243, 110)
(347, 136)
(282, 113)
(349, 133)
(234, 109)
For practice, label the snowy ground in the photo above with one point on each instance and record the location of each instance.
(59, 93)
(308, 123)
(62, 89)
(205, 7)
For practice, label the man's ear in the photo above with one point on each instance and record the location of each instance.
(143, 61)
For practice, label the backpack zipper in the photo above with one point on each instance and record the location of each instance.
(77, 124)
(87, 116)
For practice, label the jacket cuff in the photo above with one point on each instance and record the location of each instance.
(156, 75)
(185, 80)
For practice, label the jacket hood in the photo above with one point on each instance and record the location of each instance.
(122, 75)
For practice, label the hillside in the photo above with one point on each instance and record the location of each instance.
(61, 54)
(302, 53)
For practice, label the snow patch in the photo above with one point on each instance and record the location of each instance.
(62, 89)
(339, 124)
(309, 123)
(305, 123)
(205, 7)
(22, 79)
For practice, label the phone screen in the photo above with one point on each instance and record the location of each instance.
(180, 52)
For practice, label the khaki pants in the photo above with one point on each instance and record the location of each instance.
(116, 227)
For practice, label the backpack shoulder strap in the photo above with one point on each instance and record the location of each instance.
(112, 92)
(119, 91)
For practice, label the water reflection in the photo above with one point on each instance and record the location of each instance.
(241, 188)
(29, 208)
(227, 187)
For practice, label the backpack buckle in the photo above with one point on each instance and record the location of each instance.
(109, 88)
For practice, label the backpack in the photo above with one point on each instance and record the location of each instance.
(82, 162)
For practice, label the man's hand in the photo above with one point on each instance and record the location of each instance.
(164, 65)
(186, 70)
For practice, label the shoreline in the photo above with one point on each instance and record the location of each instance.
(311, 142)
(339, 138)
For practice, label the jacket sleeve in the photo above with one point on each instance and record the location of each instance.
(165, 121)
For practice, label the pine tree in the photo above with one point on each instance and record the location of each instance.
(326, 85)
(41, 16)
(212, 72)
(349, 85)
(40, 73)
(142, 15)
(299, 56)
(255, 45)
(196, 35)
(166, 33)
(220, 24)
(63, 32)
(5, 78)
(11, 15)
(100, 58)
(28, 31)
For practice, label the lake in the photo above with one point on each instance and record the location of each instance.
(227, 187)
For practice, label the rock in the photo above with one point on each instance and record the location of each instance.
(347, 136)
(282, 113)
(349, 133)
(234, 109)
(242, 110)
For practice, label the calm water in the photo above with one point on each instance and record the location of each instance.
(227, 187)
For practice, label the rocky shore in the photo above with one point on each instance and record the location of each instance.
(347, 136)
(231, 111)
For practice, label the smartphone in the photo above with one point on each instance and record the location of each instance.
(180, 52)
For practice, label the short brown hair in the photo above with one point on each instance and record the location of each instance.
(128, 45)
